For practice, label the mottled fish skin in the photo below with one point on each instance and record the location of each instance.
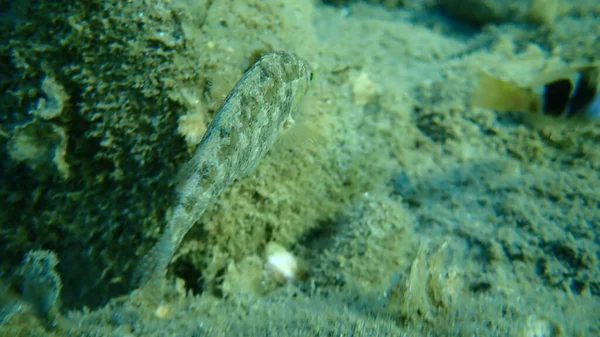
(262, 103)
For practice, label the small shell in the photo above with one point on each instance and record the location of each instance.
(281, 264)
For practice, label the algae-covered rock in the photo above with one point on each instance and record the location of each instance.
(387, 3)
(87, 88)
(482, 12)
(477, 12)
(10, 303)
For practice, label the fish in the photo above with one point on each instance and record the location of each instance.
(263, 103)
(570, 93)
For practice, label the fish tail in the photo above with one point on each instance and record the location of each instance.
(494, 93)
(149, 275)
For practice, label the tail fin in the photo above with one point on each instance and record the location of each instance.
(497, 94)
(149, 275)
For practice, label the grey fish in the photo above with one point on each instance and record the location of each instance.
(264, 102)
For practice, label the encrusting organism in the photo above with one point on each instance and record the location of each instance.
(262, 103)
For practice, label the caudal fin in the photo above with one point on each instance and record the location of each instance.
(149, 275)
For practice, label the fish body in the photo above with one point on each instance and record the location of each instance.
(572, 93)
(262, 103)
